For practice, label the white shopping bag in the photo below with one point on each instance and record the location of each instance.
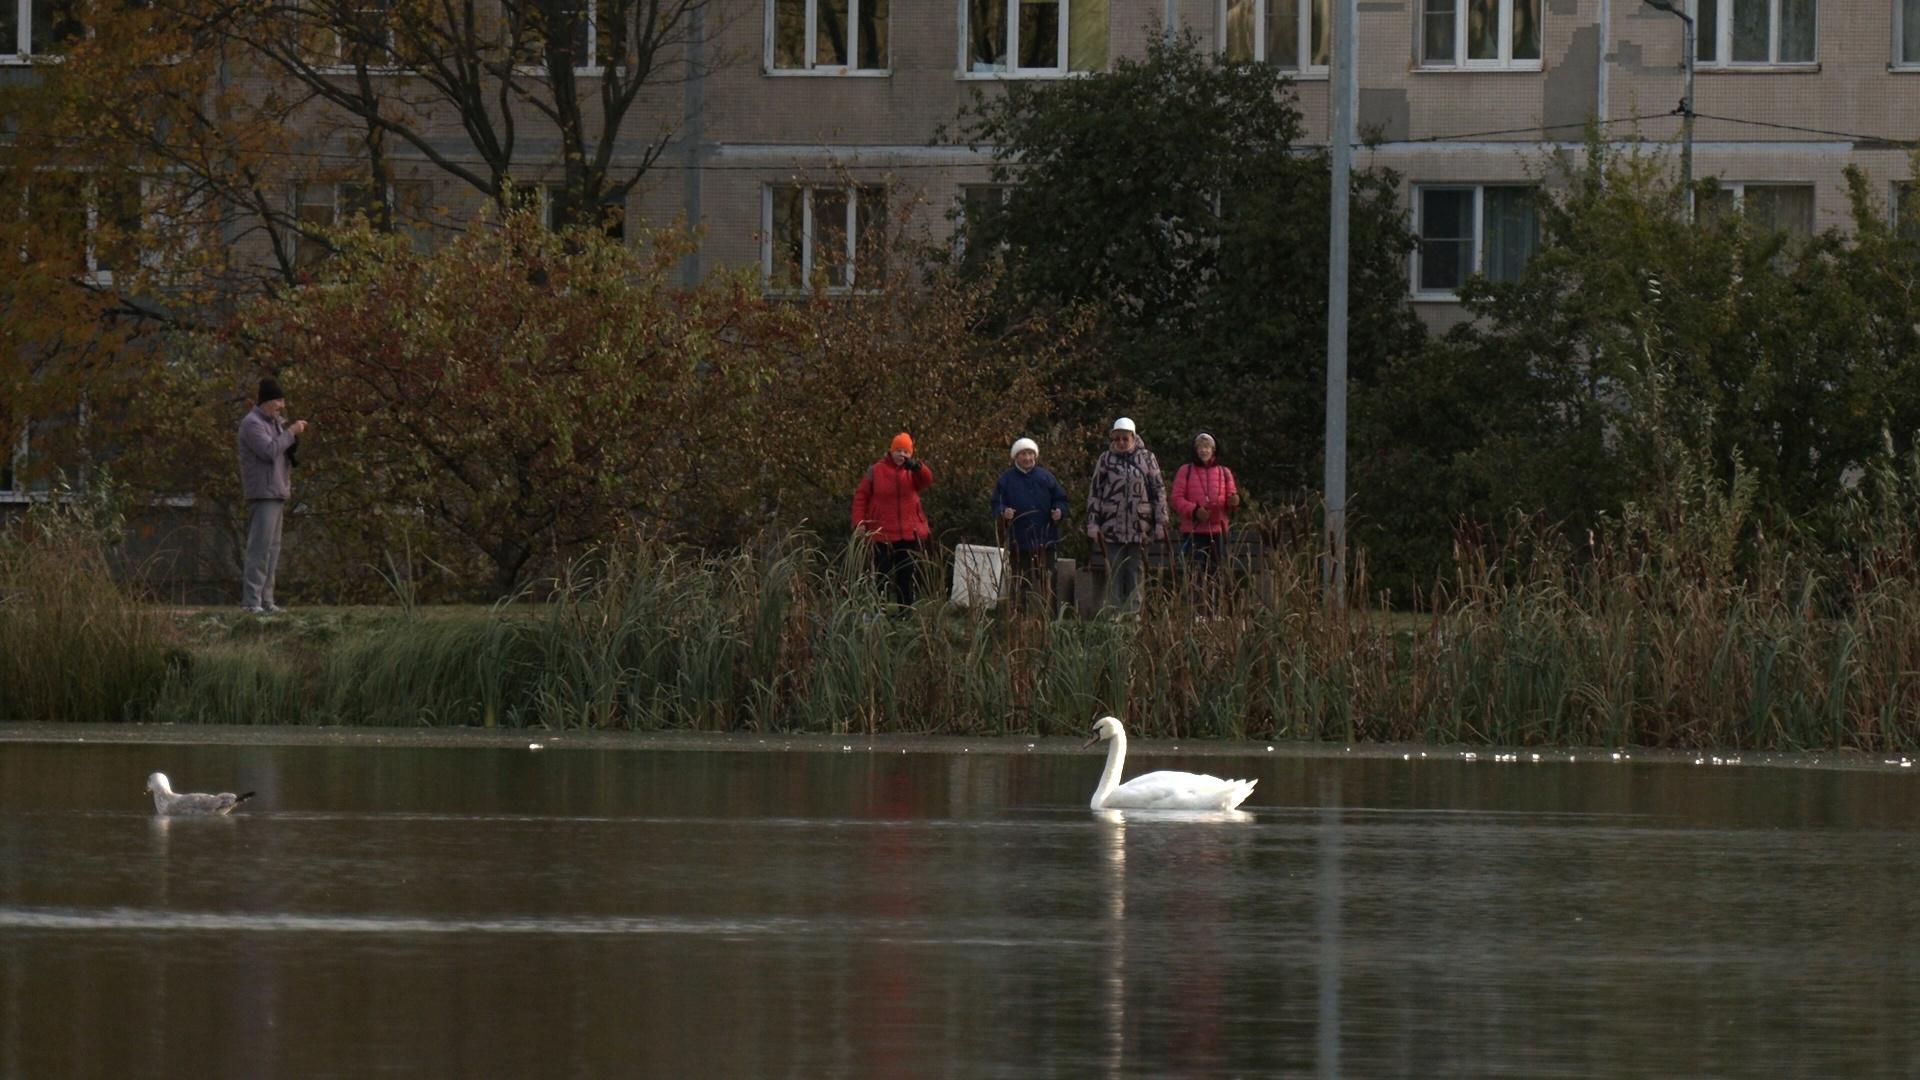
(977, 573)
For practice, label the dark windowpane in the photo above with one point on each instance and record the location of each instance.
(9, 30)
(1796, 31)
(1706, 45)
(610, 33)
(786, 267)
(1320, 41)
(1526, 29)
(1513, 232)
(1039, 33)
(571, 34)
(1750, 31)
(1438, 38)
(873, 33)
(790, 34)
(870, 237)
(1910, 31)
(367, 36)
(1783, 207)
(1483, 29)
(978, 206)
(314, 207)
(830, 248)
(1906, 209)
(57, 221)
(830, 33)
(1237, 48)
(1446, 237)
(116, 224)
(55, 24)
(986, 35)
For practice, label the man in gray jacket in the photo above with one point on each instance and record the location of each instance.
(266, 443)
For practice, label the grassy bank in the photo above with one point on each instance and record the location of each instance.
(1525, 647)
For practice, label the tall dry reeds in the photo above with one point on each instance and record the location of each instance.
(73, 644)
(1532, 644)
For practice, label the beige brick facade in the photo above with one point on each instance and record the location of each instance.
(1614, 59)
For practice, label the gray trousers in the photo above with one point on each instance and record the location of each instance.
(263, 552)
(1123, 575)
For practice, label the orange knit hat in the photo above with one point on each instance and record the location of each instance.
(902, 441)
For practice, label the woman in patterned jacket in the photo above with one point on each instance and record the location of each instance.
(1126, 508)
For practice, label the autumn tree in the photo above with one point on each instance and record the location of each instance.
(1174, 196)
(513, 397)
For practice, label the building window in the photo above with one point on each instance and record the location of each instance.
(1481, 33)
(1731, 32)
(1784, 208)
(613, 215)
(976, 206)
(1491, 230)
(1292, 35)
(87, 224)
(595, 31)
(37, 27)
(1906, 33)
(1905, 209)
(826, 236)
(316, 207)
(1034, 37)
(827, 36)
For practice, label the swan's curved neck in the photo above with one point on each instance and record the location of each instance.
(1116, 761)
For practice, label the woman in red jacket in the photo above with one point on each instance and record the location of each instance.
(1204, 495)
(886, 507)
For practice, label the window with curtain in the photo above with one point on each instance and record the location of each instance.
(1480, 33)
(1486, 229)
(1292, 35)
(828, 36)
(1035, 37)
(1757, 32)
(831, 236)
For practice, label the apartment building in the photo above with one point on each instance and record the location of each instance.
(812, 114)
(1458, 94)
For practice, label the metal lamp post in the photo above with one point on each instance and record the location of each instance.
(1686, 99)
(1345, 57)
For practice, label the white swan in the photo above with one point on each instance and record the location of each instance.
(166, 801)
(1158, 790)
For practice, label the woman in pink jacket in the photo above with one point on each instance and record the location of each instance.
(1205, 497)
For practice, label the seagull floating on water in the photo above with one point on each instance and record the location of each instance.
(1158, 790)
(166, 802)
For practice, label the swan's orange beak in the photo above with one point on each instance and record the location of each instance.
(1094, 738)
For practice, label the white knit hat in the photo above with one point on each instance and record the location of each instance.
(1023, 444)
(1122, 424)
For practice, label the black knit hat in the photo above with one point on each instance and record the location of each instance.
(270, 390)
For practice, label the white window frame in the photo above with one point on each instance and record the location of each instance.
(1738, 189)
(1061, 68)
(1723, 39)
(1479, 233)
(90, 251)
(22, 50)
(1303, 37)
(807, 264)
(1504, 62)
(1898, 61)
(811, 68)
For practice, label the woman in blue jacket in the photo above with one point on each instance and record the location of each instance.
(1029, 503)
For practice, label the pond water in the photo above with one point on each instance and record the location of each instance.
(494, 913)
